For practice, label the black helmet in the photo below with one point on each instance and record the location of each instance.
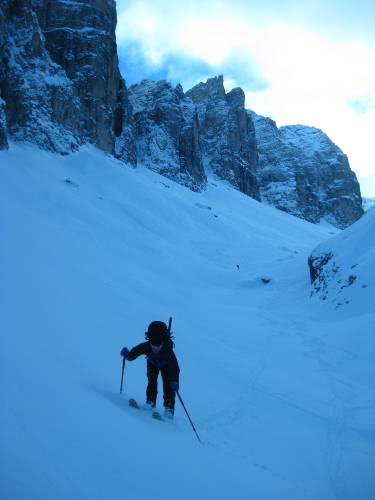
(156, 332)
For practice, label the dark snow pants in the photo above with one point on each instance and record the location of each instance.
(152, 386)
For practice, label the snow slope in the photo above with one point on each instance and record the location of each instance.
(347, 279)
(368, 203)
(280, 389)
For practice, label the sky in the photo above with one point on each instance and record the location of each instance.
(299, 62)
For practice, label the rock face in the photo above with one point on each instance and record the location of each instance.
(3, 137)
(227, 135)
(301, 171)
(185, 136)
(167, 132)
(41, 105)
(61, 85)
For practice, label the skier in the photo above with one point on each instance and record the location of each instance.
(160, 358)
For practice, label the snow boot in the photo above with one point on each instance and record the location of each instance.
(168, 413)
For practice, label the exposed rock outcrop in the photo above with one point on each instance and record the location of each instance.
(301, 171)
(167, 133)
(62, 85)
(317, 263)
(227, 135)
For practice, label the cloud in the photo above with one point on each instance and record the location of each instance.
(362, 104)
(289, 68)
(367, 185)
(315, 81)
(186, 69)
(184, 49)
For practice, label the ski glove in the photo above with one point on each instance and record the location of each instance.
(174, 386)
(124, 352)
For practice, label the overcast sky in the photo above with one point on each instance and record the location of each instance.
(309, 62)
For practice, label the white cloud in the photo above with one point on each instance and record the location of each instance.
(312, 79)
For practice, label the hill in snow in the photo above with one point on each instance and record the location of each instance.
(368, 203)
(280, 389)
(343, 268)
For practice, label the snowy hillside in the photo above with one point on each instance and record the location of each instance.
(368, 203)
(344, 267)
(281, 390)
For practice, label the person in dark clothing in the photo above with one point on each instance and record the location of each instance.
(158, 350)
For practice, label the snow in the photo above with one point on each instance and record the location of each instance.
(280, 386)
(87, 30)
(311, 139)
(368, 203)
(349, 276)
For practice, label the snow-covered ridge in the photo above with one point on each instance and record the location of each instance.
(301, 171)
(311, 139)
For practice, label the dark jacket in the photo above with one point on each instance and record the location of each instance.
(165, 358)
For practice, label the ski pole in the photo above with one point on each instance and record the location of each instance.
(188, 416)
(122, 374)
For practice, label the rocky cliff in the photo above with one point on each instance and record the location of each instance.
(167, 132)
(301, 171)
(3, 136)
(186, 136)
(227, 135)
(60, 87)
(60, 77)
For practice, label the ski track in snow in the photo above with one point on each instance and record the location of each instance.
(281, 392)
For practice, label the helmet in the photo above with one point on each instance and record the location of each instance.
(156, 332)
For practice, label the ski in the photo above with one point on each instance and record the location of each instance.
(155, 414)
(133, 403)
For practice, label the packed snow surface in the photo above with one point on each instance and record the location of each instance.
(281, 388)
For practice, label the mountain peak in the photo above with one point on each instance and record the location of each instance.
(213, 89)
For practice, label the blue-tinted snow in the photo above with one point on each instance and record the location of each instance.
(281, 391)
